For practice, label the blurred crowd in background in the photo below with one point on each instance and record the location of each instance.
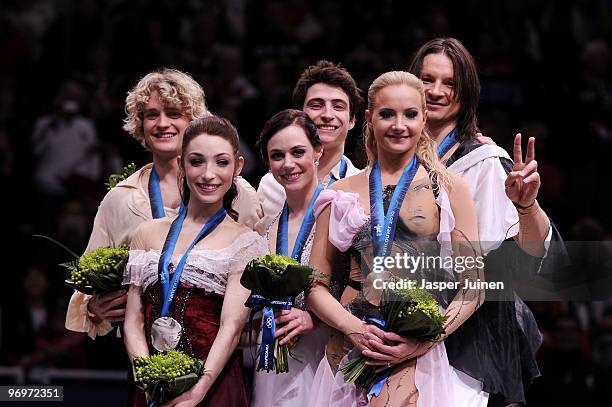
(545, 69)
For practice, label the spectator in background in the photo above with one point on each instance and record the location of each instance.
(63, 143)
(34, 330)
(6, 154)
(595, 91)
(271, 96)
(233, 89)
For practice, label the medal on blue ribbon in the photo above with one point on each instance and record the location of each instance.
(383, 232)
(166, 331)
(282, 244)
(341, 172)
(447, 143)
(383, 226)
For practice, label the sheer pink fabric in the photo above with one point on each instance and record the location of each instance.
(432, 376)
(330, 390)
(346, 218)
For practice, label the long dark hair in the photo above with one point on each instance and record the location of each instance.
(213, 126)
(465, 77)
(283, 119)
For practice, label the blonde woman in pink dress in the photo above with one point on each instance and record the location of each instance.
(435, 213)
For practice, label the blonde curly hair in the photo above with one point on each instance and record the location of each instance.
(174, 87)
(426, 147)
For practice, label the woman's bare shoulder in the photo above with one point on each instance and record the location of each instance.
(354, 183)
(234, 229)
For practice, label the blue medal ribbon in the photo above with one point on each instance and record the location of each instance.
(447, 143)
(341, 172)
(380, 382)
(266, 350)
(257, 302)
(282, 245)
(169, 287)
(383, 226)
(155, 196)
(383, 233)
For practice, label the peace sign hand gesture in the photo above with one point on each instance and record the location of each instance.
(523, 182)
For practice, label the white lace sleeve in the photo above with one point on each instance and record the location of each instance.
(209, 269)
(248, 246)
(206, 269)
(141, 269)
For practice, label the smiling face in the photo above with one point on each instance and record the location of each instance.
(437, 74)
(163, 127)
(328, 106)
(210, 164)
(397, 119)
(292, 157)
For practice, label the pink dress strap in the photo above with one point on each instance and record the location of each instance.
(346, 219)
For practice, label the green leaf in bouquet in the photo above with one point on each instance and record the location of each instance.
(281, 356)
(297, 279)
(256, 275)
(85, 289)
(166, 375)
(70, 265)
(105, 282)
(180, 385)
(274, 276)
(418, 325)
(102, 269)
(125, 172)
(277, 262)
(356, 371)
(58, 243)
(120, 266)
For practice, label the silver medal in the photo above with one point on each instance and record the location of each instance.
(165, 333)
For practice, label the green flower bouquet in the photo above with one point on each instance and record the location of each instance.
(99, 271)
(166, 375)
(96, 272)
(274, 280)
(125, 172)
(412, 313)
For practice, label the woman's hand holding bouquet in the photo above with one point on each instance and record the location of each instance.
(167, 375)
(409, 315)
(275, 280)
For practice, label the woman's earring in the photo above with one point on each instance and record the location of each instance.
(316, 162)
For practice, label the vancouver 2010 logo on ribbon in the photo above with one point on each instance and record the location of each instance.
(266, 354)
